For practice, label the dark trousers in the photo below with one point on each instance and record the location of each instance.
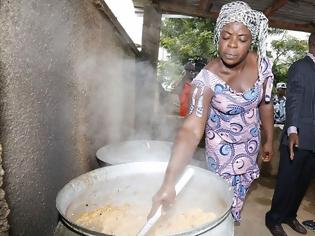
(293, 180)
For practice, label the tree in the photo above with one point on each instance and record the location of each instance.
(185, 39)
(284, 52)
(188, 38)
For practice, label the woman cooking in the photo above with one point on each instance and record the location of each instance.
(230, 101)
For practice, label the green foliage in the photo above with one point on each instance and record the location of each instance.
(188, 38)
(184, 39)
(284, 52)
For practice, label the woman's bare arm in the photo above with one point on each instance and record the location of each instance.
(186, 141)
(266, 116)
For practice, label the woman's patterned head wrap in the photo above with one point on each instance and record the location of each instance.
(255, 21)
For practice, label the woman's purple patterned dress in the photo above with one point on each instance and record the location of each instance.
(233, 130)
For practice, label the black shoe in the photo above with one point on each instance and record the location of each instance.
(309, 224)
(276, 230)
(296, 225)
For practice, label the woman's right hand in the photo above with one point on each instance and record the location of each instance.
(165, 197)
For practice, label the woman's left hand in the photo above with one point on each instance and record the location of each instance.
(267, 152)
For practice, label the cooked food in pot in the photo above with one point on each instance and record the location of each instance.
(127, 220)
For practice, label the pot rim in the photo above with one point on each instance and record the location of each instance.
(195, 231)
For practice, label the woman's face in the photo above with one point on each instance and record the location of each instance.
(234, 43)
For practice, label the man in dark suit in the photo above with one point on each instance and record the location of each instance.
(297, 148)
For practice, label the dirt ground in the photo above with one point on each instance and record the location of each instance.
(258, 203)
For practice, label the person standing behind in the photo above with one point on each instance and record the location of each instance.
(184, 88)
(297, 148)
(279, 103)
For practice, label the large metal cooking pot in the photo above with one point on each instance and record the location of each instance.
(142, 151)
(136, 183)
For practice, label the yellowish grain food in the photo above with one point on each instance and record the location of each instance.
(127, 220)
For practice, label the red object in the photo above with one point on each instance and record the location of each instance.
(184, 99)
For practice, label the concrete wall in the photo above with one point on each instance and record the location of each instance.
(67, 87)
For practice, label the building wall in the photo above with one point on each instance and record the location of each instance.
(67, 87)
